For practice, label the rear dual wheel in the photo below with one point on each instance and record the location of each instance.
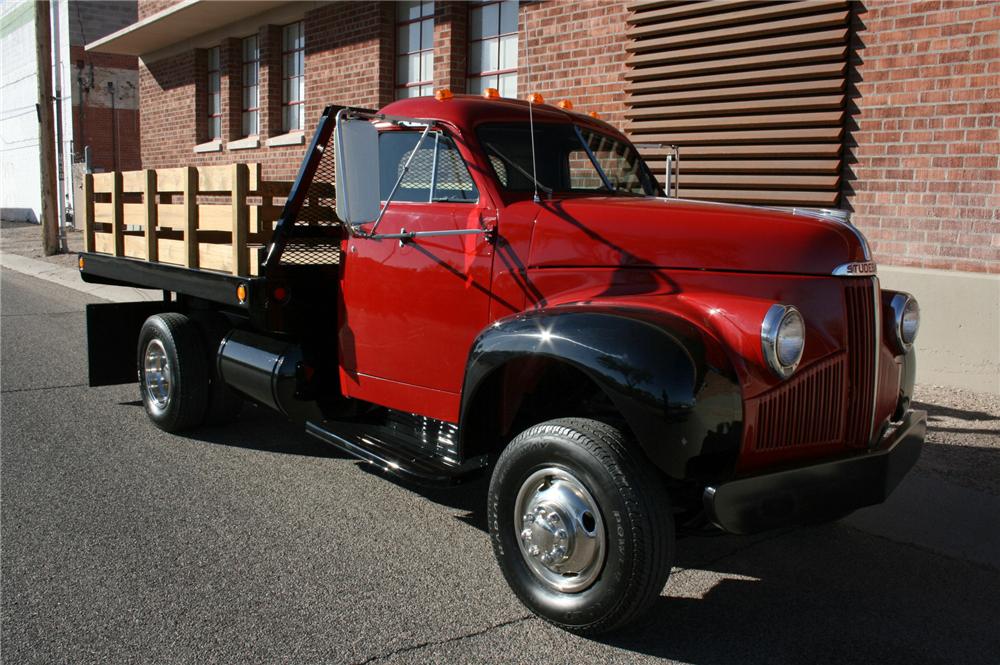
(580, 525)
(179, 386)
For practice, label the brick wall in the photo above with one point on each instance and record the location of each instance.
(149, 7)
(576, 51)
(923, 150)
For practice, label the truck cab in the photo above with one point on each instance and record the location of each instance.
(506, 289)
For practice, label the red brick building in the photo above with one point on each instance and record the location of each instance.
(887, 109)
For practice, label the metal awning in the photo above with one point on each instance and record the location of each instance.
(177, 23)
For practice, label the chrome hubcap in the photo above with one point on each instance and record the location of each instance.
(559, 530)
(156, 370)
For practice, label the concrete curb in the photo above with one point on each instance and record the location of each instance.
(70, 278)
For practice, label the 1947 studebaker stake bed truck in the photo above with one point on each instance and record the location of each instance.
(500, 285)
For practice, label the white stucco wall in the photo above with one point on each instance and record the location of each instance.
(19, 175)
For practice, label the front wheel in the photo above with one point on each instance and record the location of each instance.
(581, 527)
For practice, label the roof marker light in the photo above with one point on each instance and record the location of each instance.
(491, 93)
(443, 94)
(595, 115)
(565, 105)
(536, 98)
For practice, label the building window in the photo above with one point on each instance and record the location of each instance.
(414, 49)
(493, 47)
(214, 95)
(293, 49)
(251, 90)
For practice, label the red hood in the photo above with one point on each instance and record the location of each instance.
(675, 233)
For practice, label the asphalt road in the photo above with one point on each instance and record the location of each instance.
(254, 543)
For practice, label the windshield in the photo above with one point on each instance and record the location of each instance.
(569, 159)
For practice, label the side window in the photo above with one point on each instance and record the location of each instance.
(437, 171)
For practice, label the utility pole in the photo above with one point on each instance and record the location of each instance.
(46, 133)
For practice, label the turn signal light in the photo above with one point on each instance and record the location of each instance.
(565, 105)
(536, 98)
(595, 115)
(491, 93)
(443, 94)
(241, 293)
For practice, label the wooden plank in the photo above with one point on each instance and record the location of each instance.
(742, 121)
(772, 150)
(762, 196)
(150, 206)
(831, 134)
(240, 222)
(88, 212)
(774, 104)
(744, 47)
(210, 256)
(117, 214)
(763, 29)
(171, 180)
(763, 14)
(741, 92)
(253, 176)
(104, 183)
(215, 178)
(133, 214)
(651, 12)
(190, 190)
(739, 64)
(823, 70)
(133, 181)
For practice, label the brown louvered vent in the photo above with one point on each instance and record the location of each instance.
(752, 92)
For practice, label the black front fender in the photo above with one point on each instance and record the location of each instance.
(650, 364)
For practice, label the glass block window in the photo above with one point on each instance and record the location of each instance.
(251, 89)
(214, 95)
(293, 49)
(414, 49)
(493, 47)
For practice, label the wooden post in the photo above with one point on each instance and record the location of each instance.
(46, 129)
(88, 212)
(191, 217)
(241, 257)
(118, 214)
(149, 198)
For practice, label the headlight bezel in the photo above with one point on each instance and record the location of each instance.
(770, 330)
(900, 304)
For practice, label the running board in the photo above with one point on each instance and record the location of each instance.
(382, 447)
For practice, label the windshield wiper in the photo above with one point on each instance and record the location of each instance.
(527, 175)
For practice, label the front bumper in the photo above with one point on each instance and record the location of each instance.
(817, 492)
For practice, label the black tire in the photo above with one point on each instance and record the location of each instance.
(224, 403)
(639, 548)
(184, 402)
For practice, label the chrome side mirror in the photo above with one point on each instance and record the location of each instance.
(357, 178)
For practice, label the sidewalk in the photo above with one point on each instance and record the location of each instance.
(21, 251)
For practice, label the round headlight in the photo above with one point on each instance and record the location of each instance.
(783, 339)
(907, 313)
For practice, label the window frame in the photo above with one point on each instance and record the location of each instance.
(287, 104)
(217, 50)
(398, 87)
(254, 108)
(469, 74)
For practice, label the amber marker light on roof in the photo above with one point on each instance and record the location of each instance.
(443, 94)
(565, 105)
(595, 114)
(536, 98)
(491, 93)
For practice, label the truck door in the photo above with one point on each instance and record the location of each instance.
(411, 310)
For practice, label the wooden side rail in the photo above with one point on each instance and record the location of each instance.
(225, 215)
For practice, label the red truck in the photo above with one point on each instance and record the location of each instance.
(505, 288)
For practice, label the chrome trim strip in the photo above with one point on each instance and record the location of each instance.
(856, 269)
(877, 295)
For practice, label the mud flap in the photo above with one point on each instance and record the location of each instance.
(112, 336)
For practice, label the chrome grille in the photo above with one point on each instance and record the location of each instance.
(862, 343)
